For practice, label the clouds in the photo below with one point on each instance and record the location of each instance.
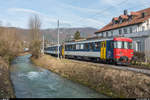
(81, 9)
(71, 13)
(45, 18)
(24, 10)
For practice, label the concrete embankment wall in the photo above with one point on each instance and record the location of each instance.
(6, 87)
(109, 81)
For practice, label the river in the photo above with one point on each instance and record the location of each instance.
(31, 81)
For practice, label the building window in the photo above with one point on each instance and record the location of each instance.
(102, 34)
(138, 46)
(106, 34)
(112, 33)
(147, 23)
(120, 31)
(130, 29)
(125, 31)
(143, 28)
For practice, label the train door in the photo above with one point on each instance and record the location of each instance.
(63, 50)
(103, 50)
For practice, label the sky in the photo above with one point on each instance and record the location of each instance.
(71, 13)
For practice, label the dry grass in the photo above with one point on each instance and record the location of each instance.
(109, 81)
(6, 89)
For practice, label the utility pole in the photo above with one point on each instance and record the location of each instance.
(43, 44)
(58, 39)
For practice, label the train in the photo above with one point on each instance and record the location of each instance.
(116, 50)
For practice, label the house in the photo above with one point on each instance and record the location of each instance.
(135, 25)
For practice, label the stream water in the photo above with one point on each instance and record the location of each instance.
(31, 81)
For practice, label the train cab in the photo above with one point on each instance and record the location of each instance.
(123, 51)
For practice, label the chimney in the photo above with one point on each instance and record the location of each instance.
(125, 12)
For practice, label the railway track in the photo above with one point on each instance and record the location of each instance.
(130, 68)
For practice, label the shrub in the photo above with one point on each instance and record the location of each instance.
(35, 48)
(138, 57)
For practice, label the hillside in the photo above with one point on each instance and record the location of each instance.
(67, 33)
(51, 34)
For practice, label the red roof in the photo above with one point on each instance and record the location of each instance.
(124, 16)
(115, 18)
(135, 20)
(134, 13)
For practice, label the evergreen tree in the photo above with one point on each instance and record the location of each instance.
(77, 35)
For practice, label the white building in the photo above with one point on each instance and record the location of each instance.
(135, 25)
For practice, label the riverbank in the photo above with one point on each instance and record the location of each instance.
(109, 81)
(23, 53)
(6, 87)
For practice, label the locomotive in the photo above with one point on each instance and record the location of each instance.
(117, 50)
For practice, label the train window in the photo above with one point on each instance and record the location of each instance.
(130, 45)
(125, 45)
(118, 44)
(91, 46)
(73, 46)
(97, 45)
(81, 46)
(112, 45)
(77, 46)
(67, 47)
(86, 46)
(70, 47)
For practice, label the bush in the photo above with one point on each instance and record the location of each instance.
(35, 48)
(138, 57)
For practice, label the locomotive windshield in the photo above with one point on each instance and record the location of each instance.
(123, 45)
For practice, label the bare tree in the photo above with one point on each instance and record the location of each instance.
(34, 26)
(10, 45)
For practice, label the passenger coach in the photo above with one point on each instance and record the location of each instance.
(117, 50)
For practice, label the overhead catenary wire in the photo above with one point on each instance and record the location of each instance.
(101, 13)
(109, 8)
